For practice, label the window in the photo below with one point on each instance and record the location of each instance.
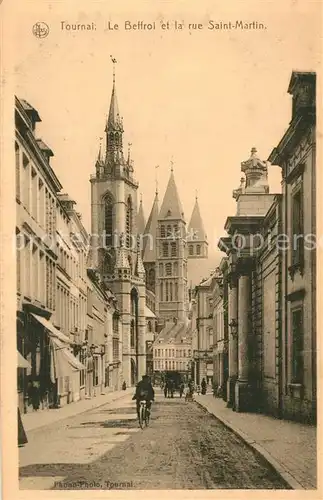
(298, 230)
(132, 333)
(115, 322)
(169, 230)
(149, 326)
(167, 297)
(108, 219)
(198, 249)
(115, 349)
(297, 346)
(34, 193)
(184, 353)
(176, 291)
(162, 231)
(158, 352)
(168, 268)
(190, 249)
(189, 353)
(151, 279)
(161, 291)
(175, 267)
(171, 291)
(17, 151)
(165, 249)
(161, 269)
(129, 222)
(173, 249)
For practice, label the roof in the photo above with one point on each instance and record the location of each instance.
(171, 207)
(43, 146)
(300, 75)
(30, 110)
(149, 244)
(114, 119)
(141, 223)
(175, 333)
(196, 227)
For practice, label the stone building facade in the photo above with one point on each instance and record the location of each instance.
(271, 272)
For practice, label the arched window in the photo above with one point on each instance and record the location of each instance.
(161, 291)
(165, 249)
(132, 333)
(166, 365)
(115, 322)
(161, 269)
(156, 326)
(198, 249)
(129, 222)
(190, 250)
(176, 291)
(162, 231)
(149, 326)
(173, 249)
(151, 279)
(167, 291)
(130, 263)
(108, 219)
(175, 269)
(168, 269)
(171, 291)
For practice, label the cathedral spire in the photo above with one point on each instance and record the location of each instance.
(171, 207)
(141, 218)
(150, 234)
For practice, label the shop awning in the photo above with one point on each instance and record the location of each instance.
(65, 362)
(52, 330)
(22, 362)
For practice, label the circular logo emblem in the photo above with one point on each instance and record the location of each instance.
(40, 30)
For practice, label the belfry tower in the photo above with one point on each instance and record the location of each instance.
(115, 252)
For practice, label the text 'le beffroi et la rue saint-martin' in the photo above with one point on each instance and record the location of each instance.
(167, 25)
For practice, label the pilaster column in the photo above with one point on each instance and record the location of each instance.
(233, 341)
(242, 400)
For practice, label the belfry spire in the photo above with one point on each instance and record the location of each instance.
(114, 125)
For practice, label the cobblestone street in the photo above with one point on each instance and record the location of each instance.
(183, 448)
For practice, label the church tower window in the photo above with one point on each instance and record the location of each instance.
(151, 279)
(175, 269)
(171, 292)
(198, 249)
(162, 231)
(190, 249)
(161, 291)
(176, 291)
(129, 222)
(169, 230)
(108, 219)
(161, 270)
(173, 249)
(165, 249)
(168, 268)
(132, 333)
(167, 297)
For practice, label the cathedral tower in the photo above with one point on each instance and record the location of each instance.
(115, 252)
(196, 235)
(171, 262)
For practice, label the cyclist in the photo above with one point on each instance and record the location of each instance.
(144, 390)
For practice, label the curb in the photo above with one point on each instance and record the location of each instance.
(45, 424)
(279, 468)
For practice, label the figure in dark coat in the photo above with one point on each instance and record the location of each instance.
(22, 437)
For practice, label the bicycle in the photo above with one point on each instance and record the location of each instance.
(144, 414)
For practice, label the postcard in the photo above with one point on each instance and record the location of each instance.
(160, 235)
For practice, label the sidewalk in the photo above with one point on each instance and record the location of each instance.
(37, 419)
(290, 447)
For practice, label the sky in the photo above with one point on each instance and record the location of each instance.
(200, 98)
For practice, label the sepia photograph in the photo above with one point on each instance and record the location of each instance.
(164, 246)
